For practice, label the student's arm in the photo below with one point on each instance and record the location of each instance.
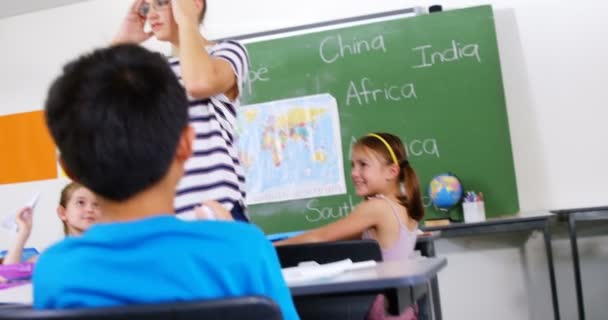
(24, 225)
(203, 75)
(349, 227)
(132, 27)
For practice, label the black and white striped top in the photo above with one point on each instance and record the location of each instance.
(214, 171)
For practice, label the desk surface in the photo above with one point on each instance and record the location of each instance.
(583, 214)
(522, 217)
(385, 275)
(422, 237)
(20, 294)
(576, 210)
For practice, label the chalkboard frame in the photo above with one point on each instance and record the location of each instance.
(346, 23)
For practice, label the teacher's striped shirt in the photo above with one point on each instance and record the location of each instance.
(214, 171)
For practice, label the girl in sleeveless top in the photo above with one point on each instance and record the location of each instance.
(381, 174)
(78, 211)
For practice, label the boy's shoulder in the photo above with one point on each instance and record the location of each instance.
(169, 225)
(57, 248)
(228, 228)
(228, 231)
(59, 256)
(111, 237)
(109, 233)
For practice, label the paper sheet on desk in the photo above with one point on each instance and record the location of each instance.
(311, 270)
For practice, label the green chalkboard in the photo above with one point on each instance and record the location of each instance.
(434, 80)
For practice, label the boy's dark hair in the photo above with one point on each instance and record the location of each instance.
(116, 115)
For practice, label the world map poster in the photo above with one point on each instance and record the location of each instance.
(291, 149)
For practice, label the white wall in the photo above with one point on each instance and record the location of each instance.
(552, 55)
(505, 276)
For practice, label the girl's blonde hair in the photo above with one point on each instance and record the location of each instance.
(392, 150)
(66, 195)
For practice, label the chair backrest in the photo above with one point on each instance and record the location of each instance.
(250, 307)
(325, 252)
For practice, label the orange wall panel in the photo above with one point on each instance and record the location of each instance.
(27, 150)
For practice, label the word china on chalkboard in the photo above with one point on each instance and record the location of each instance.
(434, 80)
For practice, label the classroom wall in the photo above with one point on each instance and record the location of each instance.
(552, 56)
(505, 276)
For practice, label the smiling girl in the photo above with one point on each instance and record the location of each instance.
(78, 210)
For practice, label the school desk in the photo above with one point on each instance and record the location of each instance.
(353, 291)
(16, 295)
(528, 221)
(425, 243)
(572, 216)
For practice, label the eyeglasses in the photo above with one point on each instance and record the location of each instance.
(144, 9)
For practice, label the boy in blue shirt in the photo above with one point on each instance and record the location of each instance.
(119, 118)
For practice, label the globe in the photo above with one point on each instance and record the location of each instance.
(445, 191)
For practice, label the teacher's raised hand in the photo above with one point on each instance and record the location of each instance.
(186, 12)
(132, 27)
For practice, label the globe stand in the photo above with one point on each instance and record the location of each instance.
(452, 214)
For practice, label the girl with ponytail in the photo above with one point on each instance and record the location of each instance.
(382, 174)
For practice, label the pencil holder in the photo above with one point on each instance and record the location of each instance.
(474, 211)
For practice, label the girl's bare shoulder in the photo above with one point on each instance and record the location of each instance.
(375, 205)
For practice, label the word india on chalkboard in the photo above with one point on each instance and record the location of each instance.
(434, 80)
